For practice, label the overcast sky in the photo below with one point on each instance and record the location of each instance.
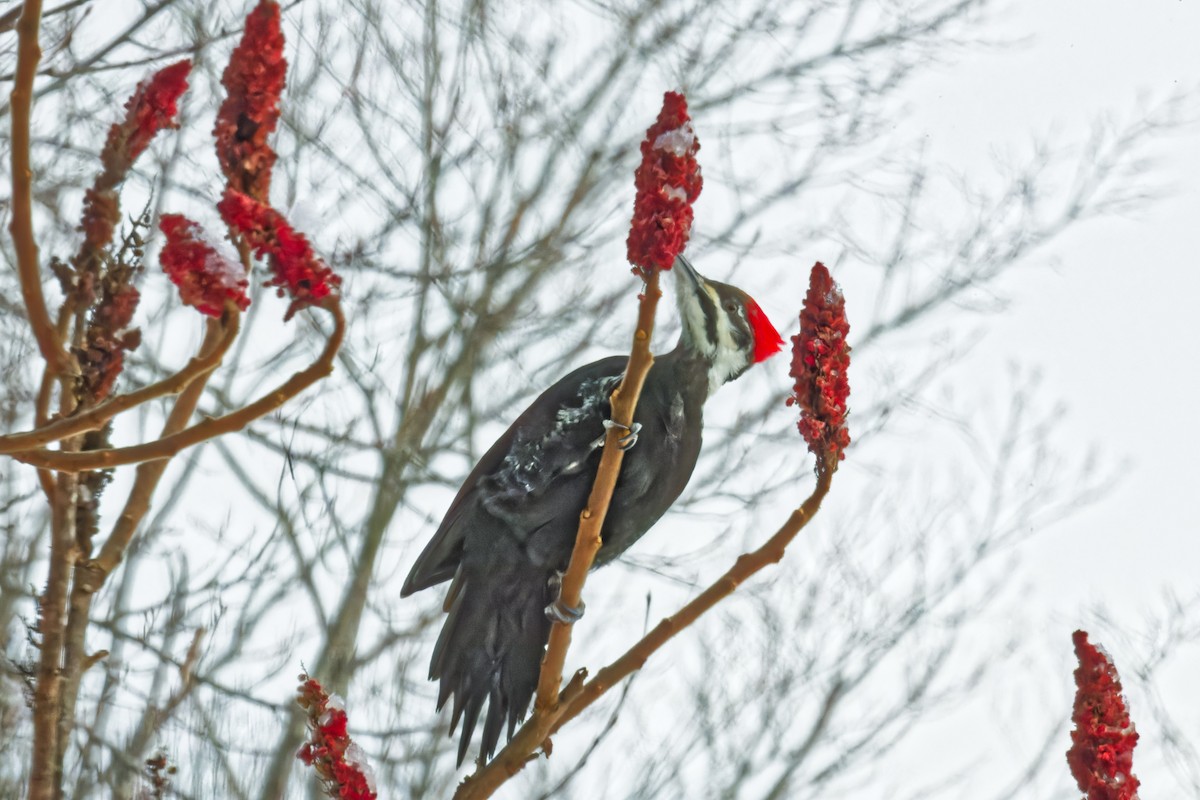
(1108, 313)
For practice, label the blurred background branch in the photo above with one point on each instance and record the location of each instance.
(466, 166)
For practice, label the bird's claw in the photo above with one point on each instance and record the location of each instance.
(558, 611)
(631, 433)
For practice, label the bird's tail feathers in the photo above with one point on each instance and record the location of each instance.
(490, 648)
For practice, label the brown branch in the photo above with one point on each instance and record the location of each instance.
(746, 566)
(89, 577)
(576, 698)
(209, 358)
(591, 519)
(168, 446)
(41, 411)
(549, 704)
(29, 52)
(44, 777)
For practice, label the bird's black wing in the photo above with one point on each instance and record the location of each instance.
(515, 481)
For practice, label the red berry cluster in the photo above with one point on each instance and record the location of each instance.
(110, 335)
(668, 182)
(820, 357)
(339, 761)
(294, 265)
(152, 108)
(107, 285)
(206, 279)
(1101, 754)
(253, 80)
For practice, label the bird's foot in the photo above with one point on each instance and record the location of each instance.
(631, 433)
(558, 611)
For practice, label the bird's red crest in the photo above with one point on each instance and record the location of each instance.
(767, 341)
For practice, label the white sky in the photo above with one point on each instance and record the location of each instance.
(1109, 314)
(1113, 322)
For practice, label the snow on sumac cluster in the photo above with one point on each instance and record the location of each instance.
(339, 762)
(253, 81)
(206, 279)
(295, 267)
(667, 183)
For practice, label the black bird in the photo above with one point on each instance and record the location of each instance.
(509, 532)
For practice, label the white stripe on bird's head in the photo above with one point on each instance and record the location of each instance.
(707, 331)
(727, 359)
(694, 317)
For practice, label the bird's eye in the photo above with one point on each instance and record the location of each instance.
(731, 306)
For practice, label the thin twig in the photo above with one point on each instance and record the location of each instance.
(94, 418)
(88, 577)
(9, 20)
(201, 431)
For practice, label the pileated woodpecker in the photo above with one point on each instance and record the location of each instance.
(510, 530)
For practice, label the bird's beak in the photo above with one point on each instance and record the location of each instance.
(685, 268)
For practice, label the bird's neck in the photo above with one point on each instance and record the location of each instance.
(692, 371)
(719, 366)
